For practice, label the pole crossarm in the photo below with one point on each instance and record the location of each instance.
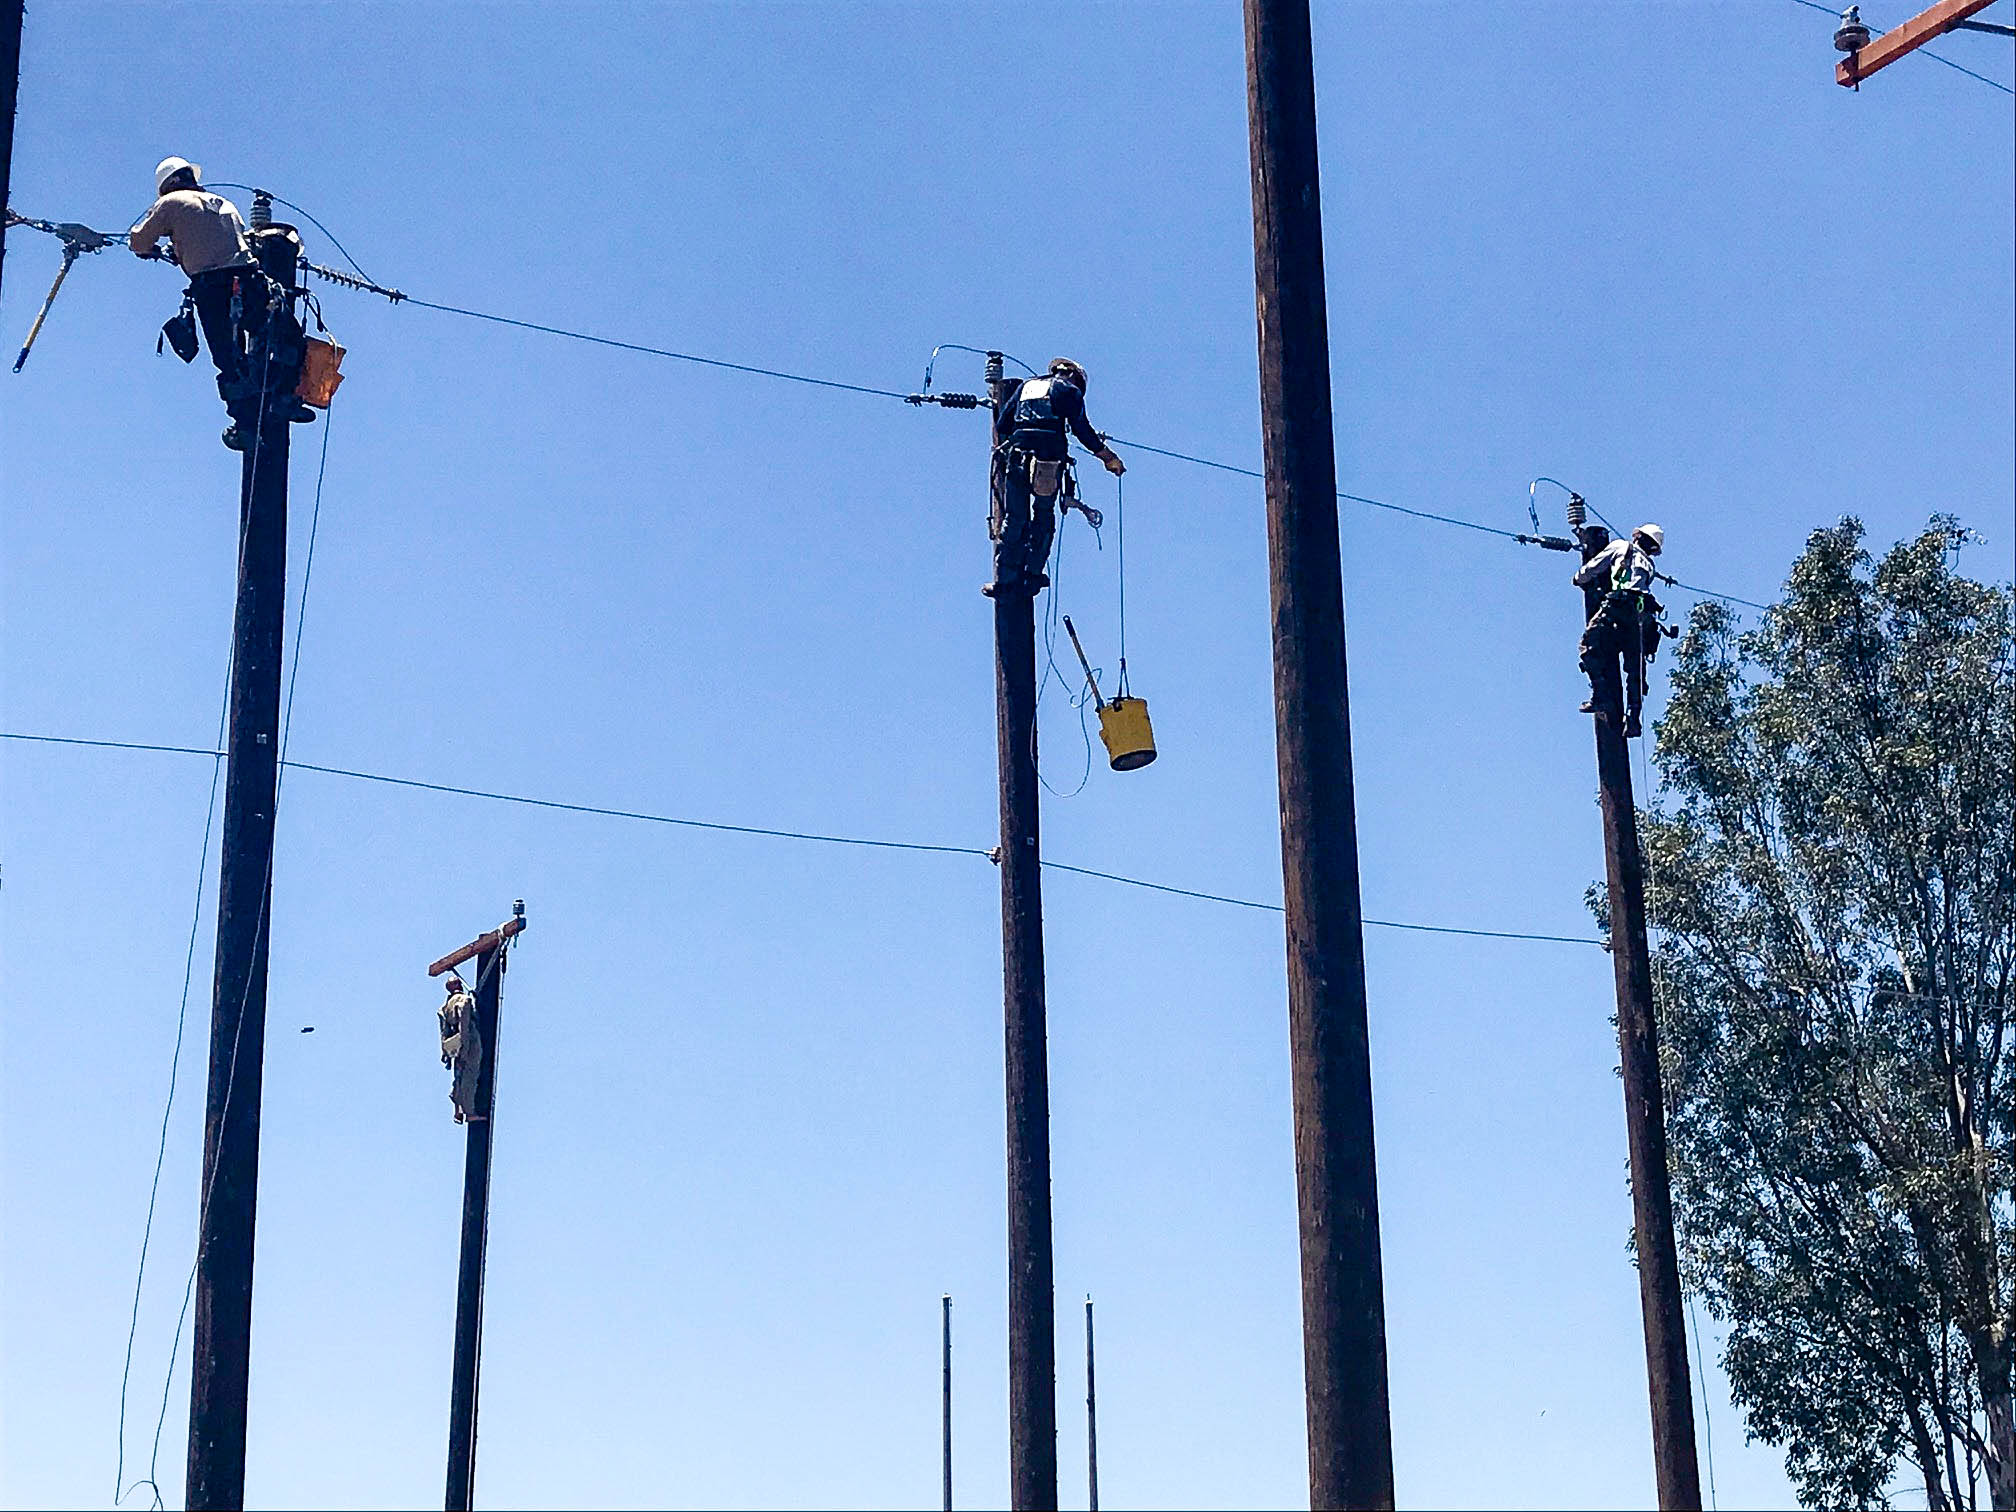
(490, 940)
(1907, 37)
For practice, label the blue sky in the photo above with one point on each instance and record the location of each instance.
(750, 1124)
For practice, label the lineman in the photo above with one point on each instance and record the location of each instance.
(232, 297)
(461, 1049)
(1032, 469)
(1625, 626)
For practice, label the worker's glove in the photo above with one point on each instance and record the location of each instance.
(1113, 464)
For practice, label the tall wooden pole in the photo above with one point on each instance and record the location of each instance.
(1032, 1326)
(10, 89)
(220, 1360)
(1676, 1467)
(467, 1369)
(1091, 1418)
(947, 1407)
(1343, 1297)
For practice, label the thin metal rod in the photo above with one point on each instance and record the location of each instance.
(1072, 631)
(948, 1401)
(1343, 1289)
(1091, 1417)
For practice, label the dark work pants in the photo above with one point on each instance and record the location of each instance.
(1616, 634)
(1024, 523)
(234, 348)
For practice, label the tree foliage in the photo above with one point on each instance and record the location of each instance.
(1832, 885)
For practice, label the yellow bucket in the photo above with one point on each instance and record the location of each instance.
(1129, 738)
(319, 375)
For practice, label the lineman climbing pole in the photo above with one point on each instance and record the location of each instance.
(1032, 1325)
(221, 1352)
(1343, 1290)
(1659, 1297)
(491, 951)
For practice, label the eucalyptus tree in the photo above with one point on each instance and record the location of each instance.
(1832, 886)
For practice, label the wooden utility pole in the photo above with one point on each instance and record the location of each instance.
(1659, 1297)
(1907, 37)
(490, 951)
(220, 1357)
(947, 1299)
(1032, 1322)
(1091, 1417)
(10, 90)
(1343, 1294)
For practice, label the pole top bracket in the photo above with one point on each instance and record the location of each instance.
(511, 928)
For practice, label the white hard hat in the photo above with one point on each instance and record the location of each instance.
(1654, 535)
(1064, 367)
(169, 167)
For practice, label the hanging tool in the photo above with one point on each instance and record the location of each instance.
(77, 240)
(1123, 720)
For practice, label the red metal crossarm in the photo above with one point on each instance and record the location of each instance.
(1908, 37)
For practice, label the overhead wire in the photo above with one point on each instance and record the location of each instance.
(785, 375)
(651, 351)
(905, 845)
(642, 816)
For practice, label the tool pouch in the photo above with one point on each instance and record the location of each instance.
(179, 332)
(1045, 478)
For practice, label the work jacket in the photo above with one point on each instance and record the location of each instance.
(205, 229)
(1037, 412)
(1621, 565)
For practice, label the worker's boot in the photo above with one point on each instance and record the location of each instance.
(234, 436)
(1634, 725)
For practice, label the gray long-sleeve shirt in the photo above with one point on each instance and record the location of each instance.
(205, 228)
(1622, 564)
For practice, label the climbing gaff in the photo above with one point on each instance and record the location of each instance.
(1123, 720)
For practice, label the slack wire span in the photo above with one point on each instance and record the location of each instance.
(639, 816)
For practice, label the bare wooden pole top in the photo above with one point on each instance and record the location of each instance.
(489, 940)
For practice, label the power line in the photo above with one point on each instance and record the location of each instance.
(110, 745)
(1829, 10)
(643, 817)
(637, 815)
(1184, 892)
(787, 376)
(651, 351)
(883, 393)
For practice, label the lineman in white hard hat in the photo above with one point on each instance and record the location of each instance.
(207, 242)
(1032, 470)
(1625, 627)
